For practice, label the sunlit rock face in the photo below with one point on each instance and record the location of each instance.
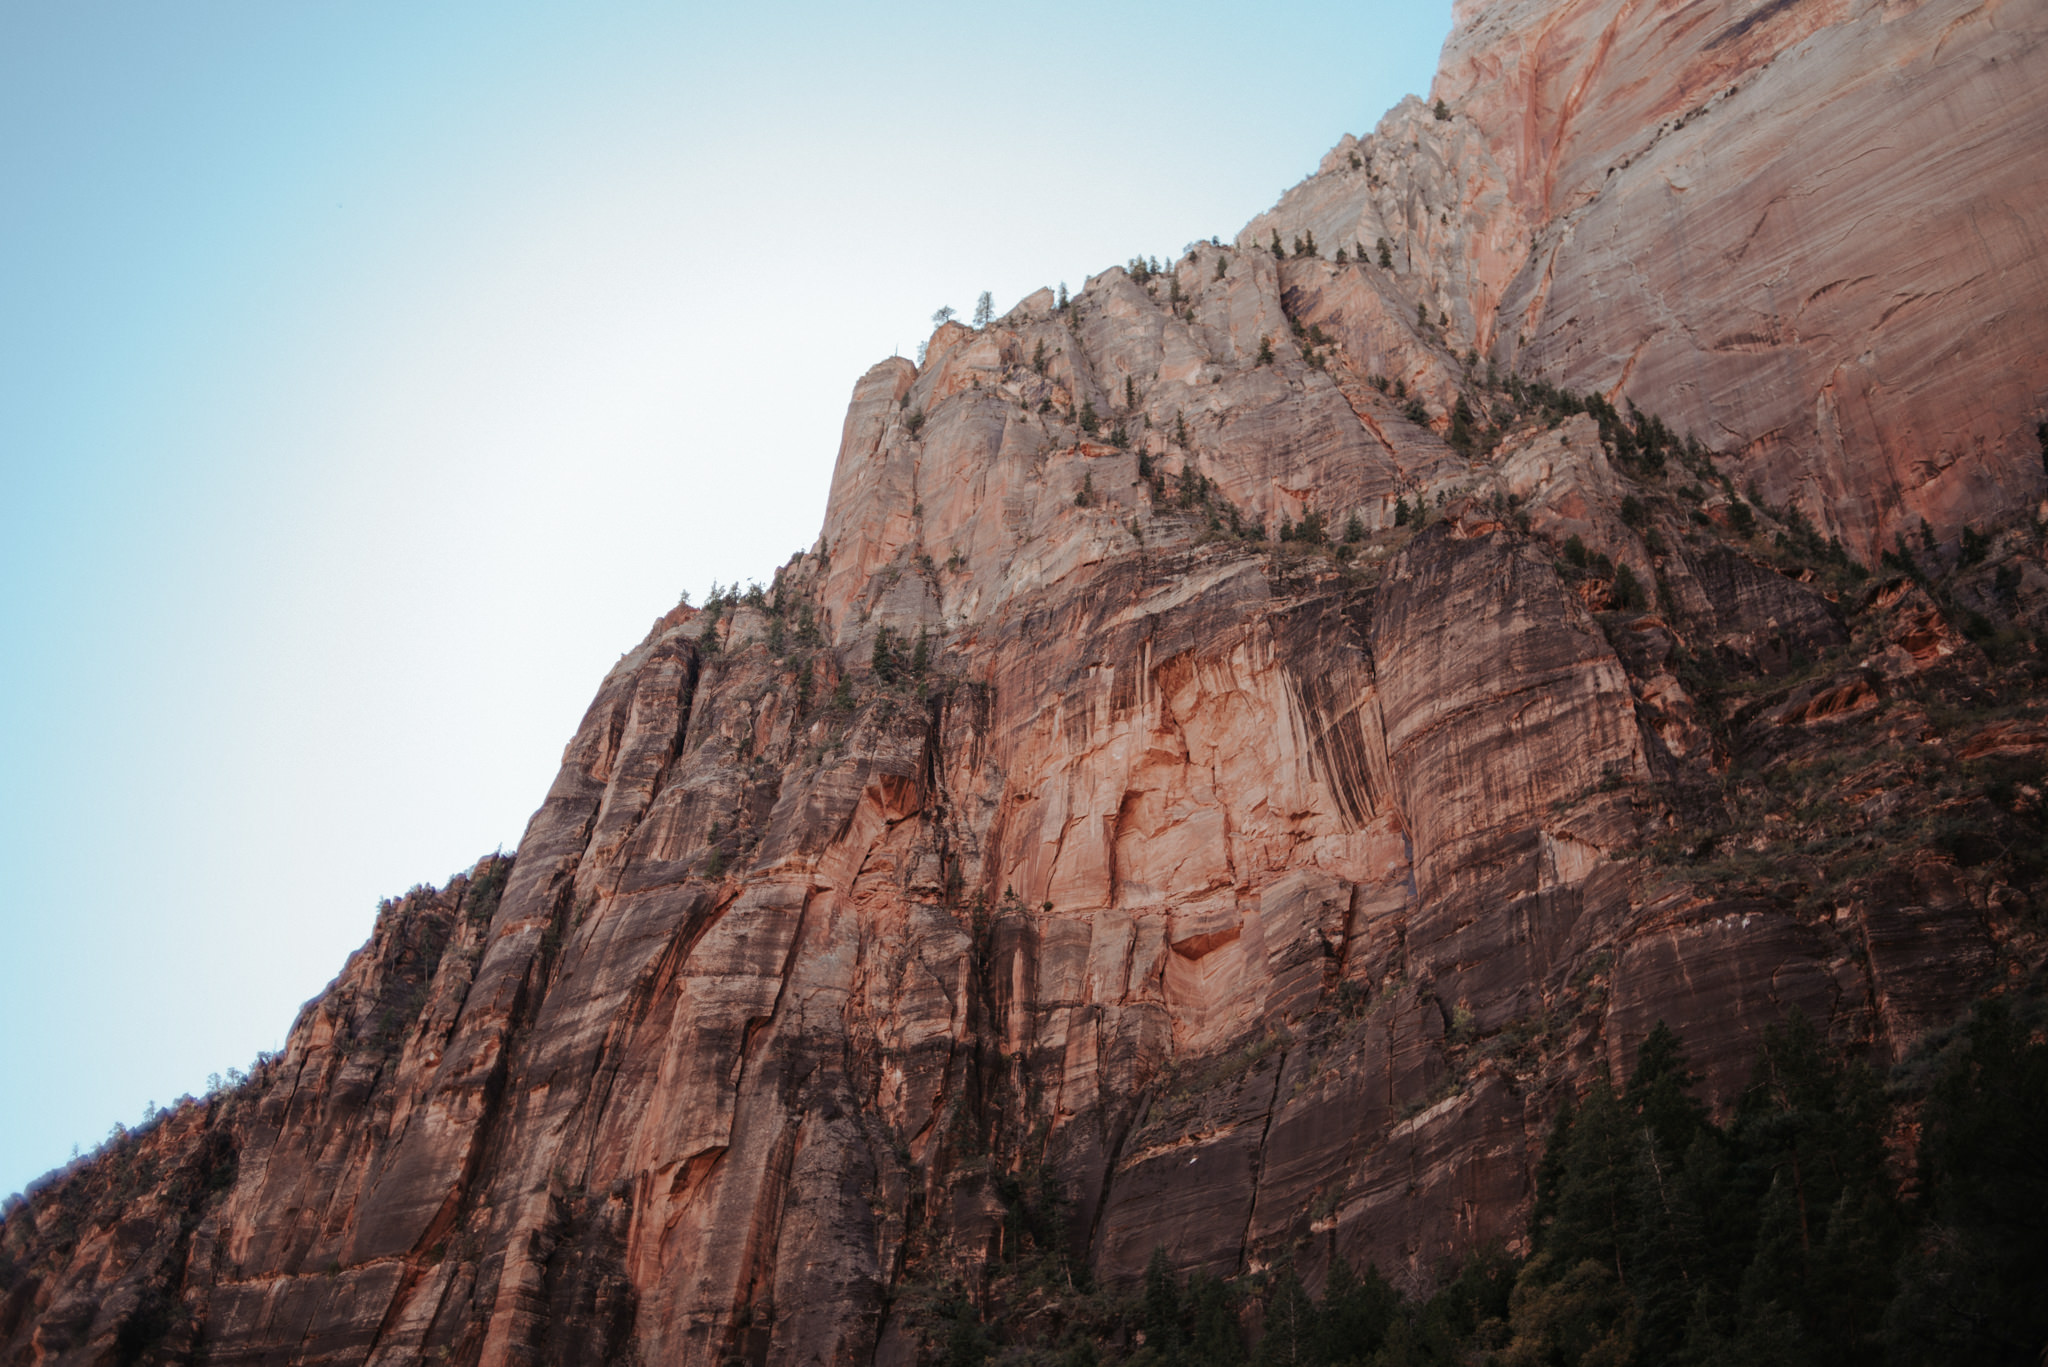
(1260, 898)
(1809, 234)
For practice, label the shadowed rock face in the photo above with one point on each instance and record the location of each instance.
(1260, 898)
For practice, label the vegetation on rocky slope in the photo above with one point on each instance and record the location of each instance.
(1465, 763)
(1835, 1217)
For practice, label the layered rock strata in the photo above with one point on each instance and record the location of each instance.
(1255, 898)
(1809, 234)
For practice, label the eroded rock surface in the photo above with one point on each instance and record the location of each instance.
(1052, 837)
(1809, 234)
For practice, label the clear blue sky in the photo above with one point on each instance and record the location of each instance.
(372, 375)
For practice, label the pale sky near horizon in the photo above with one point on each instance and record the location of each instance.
(371, 376)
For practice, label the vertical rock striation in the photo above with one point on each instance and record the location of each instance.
(1809, 234)
(1052, 827)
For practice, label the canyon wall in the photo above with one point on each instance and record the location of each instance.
(1194, 786)
(1810, 234)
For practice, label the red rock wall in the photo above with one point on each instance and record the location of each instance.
(1810, 234)
(1264, 897)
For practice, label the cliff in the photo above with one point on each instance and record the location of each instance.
(1809, 234)
(1228, 767)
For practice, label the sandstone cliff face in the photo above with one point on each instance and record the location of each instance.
(1255, 898)
(1809, 234)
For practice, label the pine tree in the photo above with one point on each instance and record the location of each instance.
(1549, 1173)
(1460, 436)
(1291, 1332)
(1592, 1211)
(1159, 1305)
(1211, 1331)
(1766, 1329)
(967, 1344)
(1628, 590)
(1788, 1124)
(921, 657)
(1666, 1251)
(1809, 1130)
(1659, 1091)
(883, 657)
(1356, 1314)
(1386, 254)
(984, 310)
(709, 641)
(1976, 1286)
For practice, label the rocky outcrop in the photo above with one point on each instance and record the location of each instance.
(1189, 799)
(1808, 234)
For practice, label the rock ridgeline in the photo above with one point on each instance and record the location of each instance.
(1247, 743)
(1808, 233)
